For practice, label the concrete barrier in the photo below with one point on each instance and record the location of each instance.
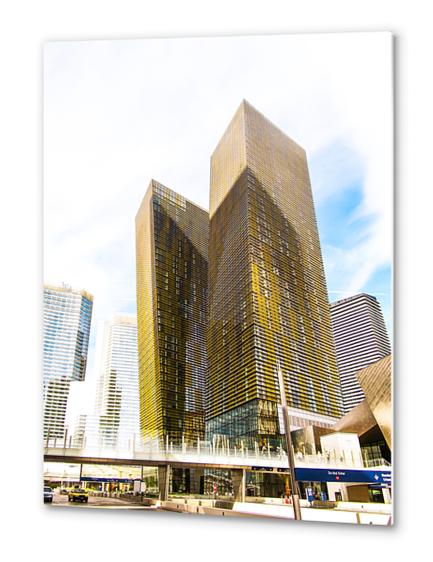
(226, 512)
(385, 508)
(174, 506)
(246, 509)
(265, 510)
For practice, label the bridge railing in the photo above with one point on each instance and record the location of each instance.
(135, 447)
(135, 444)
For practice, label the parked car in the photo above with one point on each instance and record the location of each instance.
(64, 491)
(78, 495)
(48, 494)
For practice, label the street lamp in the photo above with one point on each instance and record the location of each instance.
(290, 455)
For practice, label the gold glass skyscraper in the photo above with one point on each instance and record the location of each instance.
(268, 303)
(171, 255)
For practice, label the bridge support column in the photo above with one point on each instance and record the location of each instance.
(238, 480)
(386, 495)
(163, 481)
(196, 482)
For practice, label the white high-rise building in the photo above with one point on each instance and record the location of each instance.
(360, 338)
(117, 400)
(67, 317)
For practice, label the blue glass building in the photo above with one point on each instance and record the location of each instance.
(67, 317)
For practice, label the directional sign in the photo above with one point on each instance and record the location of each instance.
(343, 475)
(98, 479)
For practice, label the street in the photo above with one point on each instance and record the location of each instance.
(99, 501)
(240, 509)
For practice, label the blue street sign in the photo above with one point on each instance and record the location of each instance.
(98, 479)
(343, 475)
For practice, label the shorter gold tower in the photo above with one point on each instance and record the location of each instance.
(171, 256)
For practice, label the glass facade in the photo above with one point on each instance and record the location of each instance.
(267, 292)
(255, 422)
(67, 317)
(171, 253)
(375, 452)
(263, 485)
(117, 403)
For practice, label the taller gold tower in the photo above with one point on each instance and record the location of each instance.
(268, 303)
(171, 256)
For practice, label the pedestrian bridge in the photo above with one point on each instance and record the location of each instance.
(177, 457)
(237, 460)
(204, 456)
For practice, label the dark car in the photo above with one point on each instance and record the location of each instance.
(78, 495)
(48, 494)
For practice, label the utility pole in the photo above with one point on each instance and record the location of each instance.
(290, 455)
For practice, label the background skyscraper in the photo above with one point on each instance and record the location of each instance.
(360, 339)
(117, 402)
(171, 252)
(67, 317)
(268, 301)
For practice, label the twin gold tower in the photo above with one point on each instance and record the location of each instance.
(228, 297)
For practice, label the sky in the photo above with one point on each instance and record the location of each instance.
(119, 113)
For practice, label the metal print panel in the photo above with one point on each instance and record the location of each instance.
(231, 361)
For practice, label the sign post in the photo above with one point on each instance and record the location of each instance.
(290, 455)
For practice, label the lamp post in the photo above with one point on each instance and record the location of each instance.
(290, 455)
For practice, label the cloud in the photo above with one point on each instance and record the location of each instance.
(118, 113)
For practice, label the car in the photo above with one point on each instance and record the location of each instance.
(48, 494)
(64, 491)
(78, 495)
